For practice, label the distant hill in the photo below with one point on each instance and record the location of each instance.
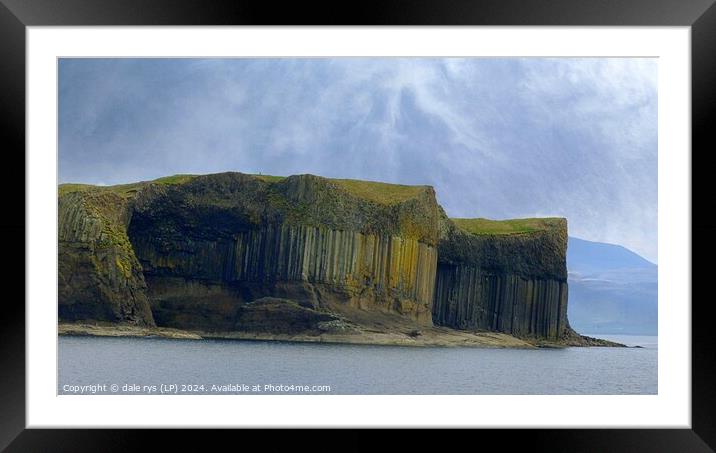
(612, 290)
(587, 256)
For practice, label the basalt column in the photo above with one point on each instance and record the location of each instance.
(210, 245)
(515, 283)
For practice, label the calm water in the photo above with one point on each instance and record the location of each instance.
(92, 364)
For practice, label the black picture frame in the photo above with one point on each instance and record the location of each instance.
(16, 15)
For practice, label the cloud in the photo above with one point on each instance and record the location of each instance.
(497, 137)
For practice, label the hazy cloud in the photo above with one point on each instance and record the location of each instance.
(498, 137)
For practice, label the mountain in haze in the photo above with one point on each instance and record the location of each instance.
(612, 290)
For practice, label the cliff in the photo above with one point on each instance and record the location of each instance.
(233, 252)
(99, 276)
(199, 248)
(508, 276)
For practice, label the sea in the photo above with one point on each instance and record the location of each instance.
(106, 365)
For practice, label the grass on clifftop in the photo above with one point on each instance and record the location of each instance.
(175, 179)
(63, 189)
(123, 190)
(379, 192)
(269, 178)
(512, 226)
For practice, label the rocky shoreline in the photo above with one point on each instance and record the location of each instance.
(429, 337)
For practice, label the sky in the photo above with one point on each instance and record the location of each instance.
(497, 137)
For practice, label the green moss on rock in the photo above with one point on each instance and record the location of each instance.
(538, 252)
(99, 275)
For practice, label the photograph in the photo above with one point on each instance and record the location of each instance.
(357, 225)
(464, 216)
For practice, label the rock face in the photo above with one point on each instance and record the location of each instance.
(232, 251)
(513, 282)
(99, 276)
(210, 244)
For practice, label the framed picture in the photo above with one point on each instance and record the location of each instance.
(191, 188)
